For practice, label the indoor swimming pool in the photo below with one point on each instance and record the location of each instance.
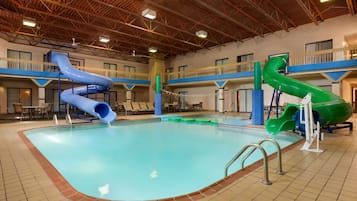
(145, 160)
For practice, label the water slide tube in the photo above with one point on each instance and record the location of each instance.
(96, 83)
(332, 109)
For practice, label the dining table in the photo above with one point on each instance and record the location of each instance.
(31, 109)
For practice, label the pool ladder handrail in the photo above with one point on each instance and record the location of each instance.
(265, 158)
(280, 166)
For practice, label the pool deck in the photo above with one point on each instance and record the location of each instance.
(331, 175)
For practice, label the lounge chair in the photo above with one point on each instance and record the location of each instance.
(128, 107)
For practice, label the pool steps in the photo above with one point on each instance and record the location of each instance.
(255, 146)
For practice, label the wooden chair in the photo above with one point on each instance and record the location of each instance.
(46, 110)
(19, 110)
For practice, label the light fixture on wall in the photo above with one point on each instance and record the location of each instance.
(104, 39)
(152, 49)
(30, 22)
(201, 34)
(148, 13)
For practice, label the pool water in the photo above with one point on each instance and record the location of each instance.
(145, 160)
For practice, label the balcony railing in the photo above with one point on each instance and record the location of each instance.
(330, 55)
(37, 66)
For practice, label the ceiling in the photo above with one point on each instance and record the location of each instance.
(173, 30)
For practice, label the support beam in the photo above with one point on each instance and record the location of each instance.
(272, 14)
(107, 19)
(306, 7)
(221, 14)
(351, 7)
(192, 20)
(248, 15)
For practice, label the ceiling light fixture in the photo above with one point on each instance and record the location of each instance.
(29, 22)
(148, 13)
(104, 39)
(201, 34)
(323, 1)
(152, 49)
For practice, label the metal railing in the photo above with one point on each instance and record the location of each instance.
(280, 166)
(337, 54)
(38, 66)
(265, 158)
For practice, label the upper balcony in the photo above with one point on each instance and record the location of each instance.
(10, 67)
(331, 60)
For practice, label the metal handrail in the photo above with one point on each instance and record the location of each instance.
(265, 159)
(280, 166)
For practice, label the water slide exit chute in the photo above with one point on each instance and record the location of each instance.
(96, 84)
(331, 108)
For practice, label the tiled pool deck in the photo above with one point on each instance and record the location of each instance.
(331, 175)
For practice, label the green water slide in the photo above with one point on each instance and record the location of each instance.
(332, 109)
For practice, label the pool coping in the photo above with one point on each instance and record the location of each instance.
(71, 193)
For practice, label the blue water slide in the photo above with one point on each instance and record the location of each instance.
(95, 84)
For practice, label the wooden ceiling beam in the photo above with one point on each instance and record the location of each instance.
(317, 10)
(126, 24)
(248, 15)
(192, 20)
(351, 7)
(103, 28)
(281, 13)
(157, 21)
(306, 7)
(221, 14)
(271, 14)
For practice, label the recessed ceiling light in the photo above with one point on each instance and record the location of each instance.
(152, 49)
(323, 1)
(104, 39)
(201, 34)
(29, 22)
(148, 13)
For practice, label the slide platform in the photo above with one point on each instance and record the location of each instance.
(331, 108)
(96, 84)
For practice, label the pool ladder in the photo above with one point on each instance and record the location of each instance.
(265, 158)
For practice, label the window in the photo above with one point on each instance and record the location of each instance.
(15, 54)
(220, 62)
(17, 95)
(181, 70)
(130, 71)
(315, 47)
(169, 73)
(242, 59)
(112, 69)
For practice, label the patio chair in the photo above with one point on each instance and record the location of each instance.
(150, 106)
(18, 110)
(136, 107)
(128, 107)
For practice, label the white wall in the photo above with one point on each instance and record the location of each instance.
(90, 61)
(279, 42)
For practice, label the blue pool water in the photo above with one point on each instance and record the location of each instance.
(145, 160)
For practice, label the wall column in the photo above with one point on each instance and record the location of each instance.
(128, 96)
(156, 67)
(41, 96)
(221, 100)
(336, 88)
